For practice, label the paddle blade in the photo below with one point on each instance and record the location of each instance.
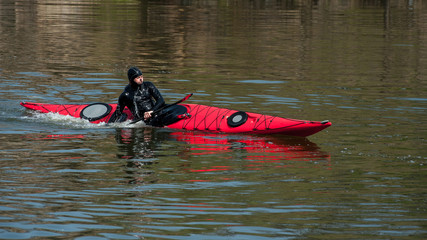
(186, 97)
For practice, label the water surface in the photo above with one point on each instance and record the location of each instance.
(360, 64)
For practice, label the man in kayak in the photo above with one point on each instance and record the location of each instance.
(141, 97)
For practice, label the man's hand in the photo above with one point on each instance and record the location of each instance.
(147, 115)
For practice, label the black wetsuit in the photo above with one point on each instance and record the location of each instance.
(140, 99)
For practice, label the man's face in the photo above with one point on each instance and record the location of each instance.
(139, 80)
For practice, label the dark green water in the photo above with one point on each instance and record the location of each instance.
(360, 64)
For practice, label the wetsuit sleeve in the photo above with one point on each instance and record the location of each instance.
(121, 104)
(157, 96)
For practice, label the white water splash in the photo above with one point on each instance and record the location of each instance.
(69, 121)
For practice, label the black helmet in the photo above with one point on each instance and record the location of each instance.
(133, 73)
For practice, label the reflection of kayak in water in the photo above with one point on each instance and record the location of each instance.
(216, 153)
(257, 149)
(192, 117)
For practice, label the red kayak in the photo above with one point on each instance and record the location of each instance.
(194, 117)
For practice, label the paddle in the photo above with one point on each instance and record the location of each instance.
(165, 106)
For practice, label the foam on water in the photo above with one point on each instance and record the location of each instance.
(72, 122)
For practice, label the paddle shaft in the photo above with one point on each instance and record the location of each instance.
(165, 106)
